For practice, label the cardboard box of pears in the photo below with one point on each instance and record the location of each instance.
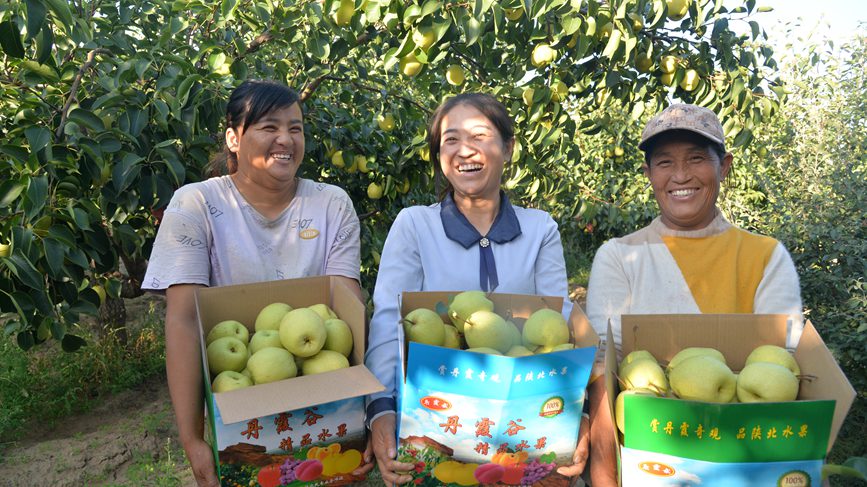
(493, 387)
(717, 400)
(285, 381)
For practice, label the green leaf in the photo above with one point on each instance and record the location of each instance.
(71, 343)
(54, 253)
(10, 40)
(9, 192)
(24, 271)
(613, 44)
(36, 196)
(227, 9)
(87, 119)
(35, 17)
(25, 340)
(184, 89)
(43, 71)
(44, 44)
(61, 10)
(430, 7)
(238, 69)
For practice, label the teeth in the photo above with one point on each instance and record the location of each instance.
(469, 167)
(287, 156)
(682, 192)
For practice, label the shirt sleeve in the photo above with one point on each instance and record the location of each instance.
(181, 251)
(400, 270)
(344, 256)
(780, 292)
(608, 294)
(550, 271)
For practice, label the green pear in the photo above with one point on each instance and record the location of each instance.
(229, 380)
(489, 330)
(515, 333)
(518, 351)
(486, 350)
(546, 327)
(271, 364)
(553, 348)
(264, 338)
(619, 404)
(644, 374)
(467, 303)
(692, 352)
(423, 325)
(452, 337)
(247, 374)
(228, 328)
(766, 382)
(323, 311)
(338, 336)
(636, 355)
(702, 378)
(269, 317)
(324, 361)
(302, 332)
(226, 353)
(774, 355)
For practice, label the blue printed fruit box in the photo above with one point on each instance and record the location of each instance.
(307, 430)
(668, 441)
(470, 418)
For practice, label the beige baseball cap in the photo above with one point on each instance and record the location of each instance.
(681, 116)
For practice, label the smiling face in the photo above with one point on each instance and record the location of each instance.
(472, 153)
(270, 150)
(685, 174)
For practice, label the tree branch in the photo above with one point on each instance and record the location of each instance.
(75, 84)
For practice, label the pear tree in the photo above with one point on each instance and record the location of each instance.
(107, 107)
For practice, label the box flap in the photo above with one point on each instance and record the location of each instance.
(585, 335)
(735, 335)
(296, 393)
(612, 388)
(822, 377)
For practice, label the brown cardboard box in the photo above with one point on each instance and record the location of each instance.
(264, 425)
(735, 335)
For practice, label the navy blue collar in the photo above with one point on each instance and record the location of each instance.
(505, 228)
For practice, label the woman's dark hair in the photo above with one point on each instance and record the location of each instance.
(489, 106)
(248, 103)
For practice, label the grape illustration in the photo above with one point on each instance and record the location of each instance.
(536, 471)
(287, 470)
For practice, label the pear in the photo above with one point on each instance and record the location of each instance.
(702, 378)
(636, 355)
(515, 333)
(323, 311)
(766, 382)
(554, 348)
(644, 374)
(424, 326)
(269, 317)
(465, 304)
(518, 351)
(486, 350)
(487, 329)
(546, 327)
(619, 404)
(452, 337)
(774, 355)
(692, 352)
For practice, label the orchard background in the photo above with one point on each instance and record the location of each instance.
(107, 107)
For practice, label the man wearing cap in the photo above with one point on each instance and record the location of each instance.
(689, 259)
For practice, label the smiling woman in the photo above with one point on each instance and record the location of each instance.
(260, 222)
(689, 259)
(473, 239)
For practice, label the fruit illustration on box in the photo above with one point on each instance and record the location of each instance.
(286, 343)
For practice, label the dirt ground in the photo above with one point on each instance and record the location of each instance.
(130, 439)
(106, 446)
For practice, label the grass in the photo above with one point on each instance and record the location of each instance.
(44, 385)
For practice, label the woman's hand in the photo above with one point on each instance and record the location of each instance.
(382, 432)
(367, 458)
(201, 458)
(582, 451)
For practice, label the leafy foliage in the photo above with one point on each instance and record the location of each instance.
(107, 107)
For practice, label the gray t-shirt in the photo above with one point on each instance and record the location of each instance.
(210, 235)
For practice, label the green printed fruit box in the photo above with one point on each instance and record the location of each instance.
(469, 418)
(668, 441)
(306, 430)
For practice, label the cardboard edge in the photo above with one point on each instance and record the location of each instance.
(831, 373)
(610, 389)
(317, 389)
